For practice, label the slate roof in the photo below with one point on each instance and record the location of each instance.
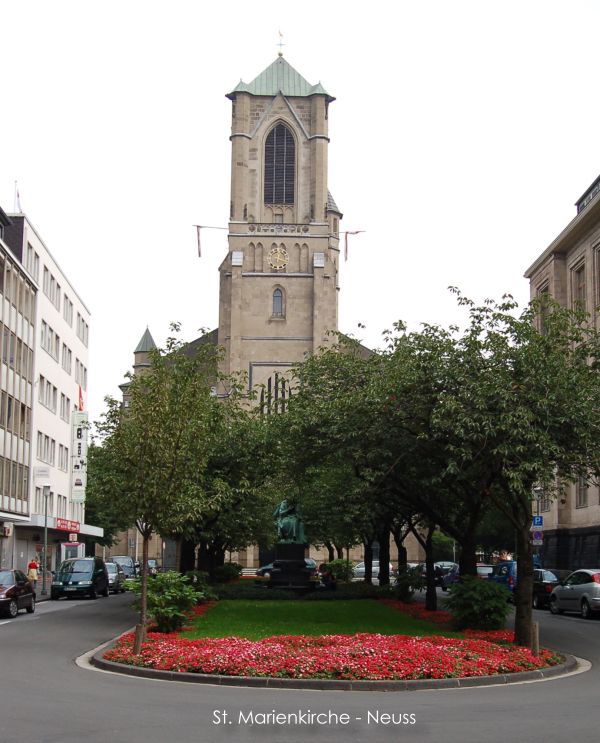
(280, 77)
(146, 343)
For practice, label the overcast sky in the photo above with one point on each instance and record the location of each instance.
(462, 134)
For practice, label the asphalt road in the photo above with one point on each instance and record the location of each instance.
(45, 697)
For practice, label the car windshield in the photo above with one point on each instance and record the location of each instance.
(125, 561)
(6, 577)
(111, 567)
(77, 566)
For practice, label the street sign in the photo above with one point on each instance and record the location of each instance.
(537, 538)
(73, 537)
(538, 522)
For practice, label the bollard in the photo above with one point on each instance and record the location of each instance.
(535, 638)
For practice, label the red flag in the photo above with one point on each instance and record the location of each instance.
(80, 399)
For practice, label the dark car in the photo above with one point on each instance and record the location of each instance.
(116, 577)
(450, 576)
(16, 592)
(127, 563)
(268, 569)
(505, 573)
(544, 582)
(80, 576)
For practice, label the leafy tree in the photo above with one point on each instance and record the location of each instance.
(100, 506)
(155, 450)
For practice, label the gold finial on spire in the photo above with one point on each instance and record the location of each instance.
(280, 53)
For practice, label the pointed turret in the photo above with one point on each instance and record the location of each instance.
(141, 354)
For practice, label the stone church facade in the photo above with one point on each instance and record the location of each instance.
(279, 282)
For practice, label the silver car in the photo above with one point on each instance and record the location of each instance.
(359, 570)
(580, 592)
(116, 577)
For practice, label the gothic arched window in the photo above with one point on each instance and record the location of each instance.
(277, 303)
(280, 166)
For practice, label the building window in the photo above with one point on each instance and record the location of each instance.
(578, 286)
(68, 310)
(581, 499)
(280, 166)
(277, 303)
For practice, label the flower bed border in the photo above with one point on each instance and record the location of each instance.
(569, 664)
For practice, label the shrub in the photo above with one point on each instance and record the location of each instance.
(478, 604)
(342, 570)
(253, 591)
(228, 572)
(169, 598)
(198, 580)
(407, 582)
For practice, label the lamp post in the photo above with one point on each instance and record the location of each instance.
(46, 492)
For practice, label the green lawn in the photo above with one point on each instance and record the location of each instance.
(257, 619)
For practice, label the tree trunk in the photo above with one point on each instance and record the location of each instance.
(468, 557)
(368, 561)
(140, 630)
(340, 552)
(430, 593)
(402, 554)
(203, 557)
(524, 587)
(330, 552)
(188, 556)
(383, 537)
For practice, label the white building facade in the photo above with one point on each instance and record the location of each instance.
(58, 389)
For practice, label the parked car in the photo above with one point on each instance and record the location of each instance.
(16, 592)
(152, 568)
(264, 569)
(127, 563)
(441, 567)
(448, 577)
(80, 576)
(580, 592)
(505, 573)
(544, 582)
(116, 577)
(359, 569)
(484, 570)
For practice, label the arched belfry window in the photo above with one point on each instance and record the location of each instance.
(277, 303)
(280, 166)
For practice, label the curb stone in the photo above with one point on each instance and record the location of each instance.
(569, 664)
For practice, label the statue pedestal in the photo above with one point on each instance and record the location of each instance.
(289, 568)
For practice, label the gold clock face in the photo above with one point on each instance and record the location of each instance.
(278, 258)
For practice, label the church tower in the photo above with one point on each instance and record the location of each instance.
(279, 280)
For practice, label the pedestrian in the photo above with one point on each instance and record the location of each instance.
(32, 572)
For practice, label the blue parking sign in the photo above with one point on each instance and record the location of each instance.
(538, 521)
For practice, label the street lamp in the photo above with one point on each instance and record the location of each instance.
(46, 493)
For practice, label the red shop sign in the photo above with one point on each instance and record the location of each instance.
(66, 525)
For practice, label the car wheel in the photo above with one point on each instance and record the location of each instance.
(106, 592)
(586, 611)
(12, 609)
(444, 588)
(31, 607)
(536, 602)
(93, 594)
(53, 596)
(554, 607)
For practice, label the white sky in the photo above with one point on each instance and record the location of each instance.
(462, 134)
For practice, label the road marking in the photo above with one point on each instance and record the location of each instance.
(8, 621)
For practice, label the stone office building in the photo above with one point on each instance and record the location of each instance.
(569, 271)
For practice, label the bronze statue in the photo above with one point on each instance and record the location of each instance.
(290, 527)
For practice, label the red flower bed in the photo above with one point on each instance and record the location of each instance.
(418, 611)
(362, 656)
